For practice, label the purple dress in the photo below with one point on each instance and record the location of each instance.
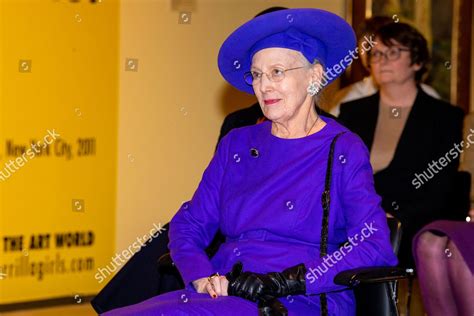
(264, 193)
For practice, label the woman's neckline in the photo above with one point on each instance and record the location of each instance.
(268, 130)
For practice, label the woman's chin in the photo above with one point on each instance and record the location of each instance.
(271, 116)
(385, 78)
(272, 113)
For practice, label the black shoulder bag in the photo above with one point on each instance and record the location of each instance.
(326, 201)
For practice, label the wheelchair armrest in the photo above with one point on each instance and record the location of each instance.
(370, 275)
(165, 263)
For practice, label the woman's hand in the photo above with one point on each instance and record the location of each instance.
(217, 287)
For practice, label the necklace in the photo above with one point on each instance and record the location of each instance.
(317, 119)
(312, 126)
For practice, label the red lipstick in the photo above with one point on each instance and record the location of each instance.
(270, 101)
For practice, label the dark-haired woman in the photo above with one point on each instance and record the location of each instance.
(413, 138)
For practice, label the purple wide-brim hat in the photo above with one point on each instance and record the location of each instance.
(319, 35)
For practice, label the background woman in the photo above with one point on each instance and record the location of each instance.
(411, 135)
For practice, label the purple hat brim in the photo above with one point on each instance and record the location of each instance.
(332, 31)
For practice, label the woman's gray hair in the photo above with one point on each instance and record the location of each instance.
(321, 86)
(308, 64)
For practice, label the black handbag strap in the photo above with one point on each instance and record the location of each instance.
(326, 201)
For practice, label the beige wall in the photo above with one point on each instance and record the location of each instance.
(171, 109)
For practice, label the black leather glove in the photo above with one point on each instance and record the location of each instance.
(253, 286)
(247, 285)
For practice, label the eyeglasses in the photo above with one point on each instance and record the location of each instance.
(275, 75)
(393, 53)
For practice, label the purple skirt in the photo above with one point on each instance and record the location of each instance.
(189, 302)
(461, 233)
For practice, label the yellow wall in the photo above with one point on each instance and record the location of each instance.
(58, 70)
(172, 107)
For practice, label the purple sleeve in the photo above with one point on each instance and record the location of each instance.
(196, 222)
(367, 231)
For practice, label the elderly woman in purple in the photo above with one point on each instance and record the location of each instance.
(263, 186)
